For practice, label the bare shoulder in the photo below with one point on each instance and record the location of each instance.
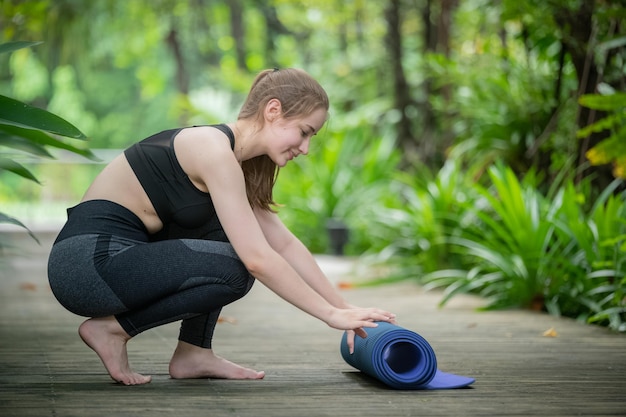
(202, 141)
(201, 150)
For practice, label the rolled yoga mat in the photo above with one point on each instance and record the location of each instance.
(399, 358)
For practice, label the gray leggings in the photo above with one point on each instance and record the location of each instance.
(143, 283)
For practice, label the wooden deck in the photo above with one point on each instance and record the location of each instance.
(45, 370)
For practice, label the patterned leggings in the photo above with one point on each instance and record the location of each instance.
(104, 263)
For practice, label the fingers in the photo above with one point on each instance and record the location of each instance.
(381, 315)
(368, 322)
(350, 339)
(356, 319)
(369, 317)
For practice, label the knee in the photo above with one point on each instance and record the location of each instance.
(248, 284)
(242, 283)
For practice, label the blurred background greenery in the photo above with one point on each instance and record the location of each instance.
(474, 145)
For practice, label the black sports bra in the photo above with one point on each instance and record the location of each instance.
(173, 195)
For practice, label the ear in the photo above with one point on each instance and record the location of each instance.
(273, 110)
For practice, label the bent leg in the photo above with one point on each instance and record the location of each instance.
(149, 284)
(143, 283)
(198, 330)
(78, 287)
(194, 358)
(170, 280)
(189, 280)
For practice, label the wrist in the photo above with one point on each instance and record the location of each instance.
(340, 303)
(330, 314)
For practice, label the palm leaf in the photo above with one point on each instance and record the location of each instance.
(16, 113)
(8, 219)
(18, 136)
(14, 46)
(16, 168)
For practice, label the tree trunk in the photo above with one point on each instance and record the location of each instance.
(437, 20)
(444, 29)
(428, 118)
(273, 28)
(182, 78)
(445, 26)
(402, 97)
(578, 40)
(238, 32)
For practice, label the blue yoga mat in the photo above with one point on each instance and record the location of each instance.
(399, 358)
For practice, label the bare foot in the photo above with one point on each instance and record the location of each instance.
(107, 338)
(191, 361)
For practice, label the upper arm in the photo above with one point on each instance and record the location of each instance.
(213, 163)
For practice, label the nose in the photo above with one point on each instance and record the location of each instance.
(304, 147)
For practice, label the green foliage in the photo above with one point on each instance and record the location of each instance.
(501, 106)
(32, 131)
(410, 231)
(501, 91)
(519, 248)
(613, 148)
(510, 238)
(592, 284)
(14, 46)
(346, 177)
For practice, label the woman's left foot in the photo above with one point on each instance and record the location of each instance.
(191, 361)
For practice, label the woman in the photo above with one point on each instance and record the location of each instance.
(181, 224)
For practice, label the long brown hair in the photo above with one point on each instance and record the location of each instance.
(299, 94)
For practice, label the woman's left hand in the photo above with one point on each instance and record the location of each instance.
(350, 334)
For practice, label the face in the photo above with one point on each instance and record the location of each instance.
(291, 137)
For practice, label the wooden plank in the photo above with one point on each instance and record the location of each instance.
(46, 370)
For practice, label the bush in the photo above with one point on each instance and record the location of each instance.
(517, 247)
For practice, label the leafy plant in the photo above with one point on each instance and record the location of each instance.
(593, 286)
(510, 243)
(502, 102)
(413, 231)
(518, 248)
(28, 130)
(346, 178)
(507, 246)
(613, 148)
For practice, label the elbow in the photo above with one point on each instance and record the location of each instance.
(258, 264)
(254, 267)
